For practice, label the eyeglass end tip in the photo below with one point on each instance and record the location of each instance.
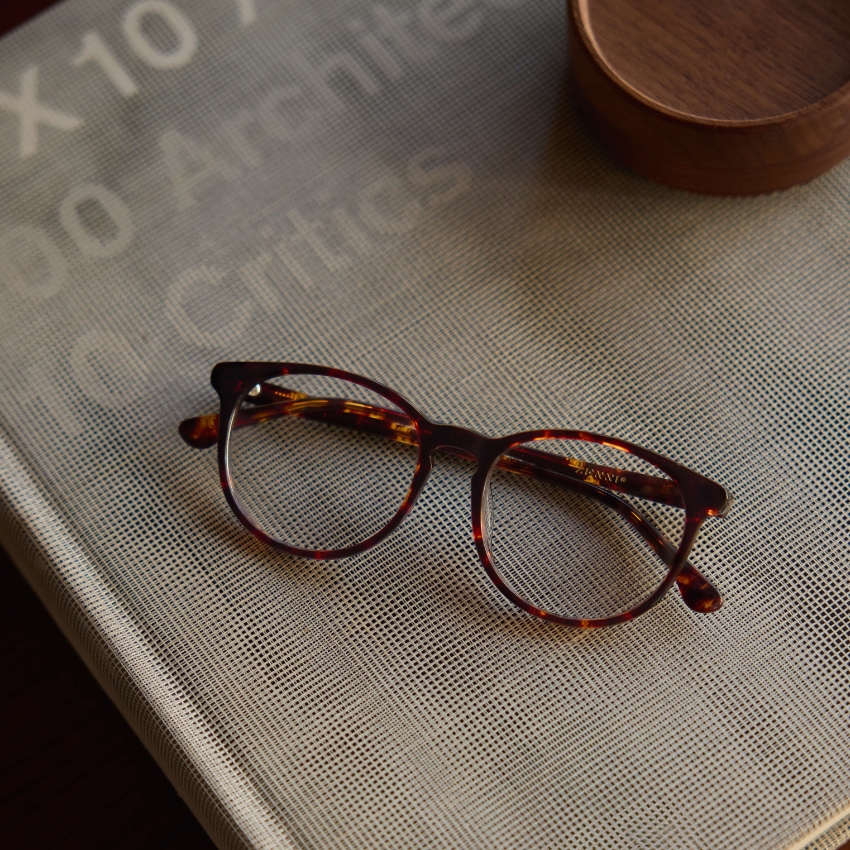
(199, 432)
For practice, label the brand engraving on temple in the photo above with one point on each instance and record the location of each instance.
(598, 474)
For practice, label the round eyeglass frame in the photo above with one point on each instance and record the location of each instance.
(701, 496)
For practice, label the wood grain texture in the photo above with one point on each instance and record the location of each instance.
(725, 98)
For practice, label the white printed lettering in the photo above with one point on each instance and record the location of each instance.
(89, 243)
(31, 262)
(33, 113)
(180, 26)
(273, 117)
(235, 133)
(393, 26)
(319, 77)
(175, 311)
(424, 171)
(95, 50)
(378, 53)
(292, 265)
(254, 274)
(310, 232)
(351, 231)
(190, 164)
(247, 12)
(450, 20)
(386, 208)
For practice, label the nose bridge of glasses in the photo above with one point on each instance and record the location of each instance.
(460, 442)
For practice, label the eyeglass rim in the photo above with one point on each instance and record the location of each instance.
(232, 389)
(233, 380)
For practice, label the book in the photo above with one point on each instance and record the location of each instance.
(407, 190)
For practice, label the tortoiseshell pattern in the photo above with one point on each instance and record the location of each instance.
(698, 496)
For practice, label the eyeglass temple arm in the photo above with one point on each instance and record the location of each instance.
(532, 463)
(592, 480)
(272, 402)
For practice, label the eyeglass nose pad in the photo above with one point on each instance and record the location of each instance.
(486, 522)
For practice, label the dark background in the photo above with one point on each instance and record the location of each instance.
(14, 13)
(72, 772)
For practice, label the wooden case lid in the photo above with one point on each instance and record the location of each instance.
(731, 97)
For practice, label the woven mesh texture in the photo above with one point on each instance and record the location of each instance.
(405, 190)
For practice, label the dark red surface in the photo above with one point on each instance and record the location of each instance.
(72, 772)
(13, 13)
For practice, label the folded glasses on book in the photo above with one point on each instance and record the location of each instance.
(575, 528)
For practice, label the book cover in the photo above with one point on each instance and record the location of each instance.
(405, 189)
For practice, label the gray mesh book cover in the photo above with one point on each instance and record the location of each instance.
(405, 189)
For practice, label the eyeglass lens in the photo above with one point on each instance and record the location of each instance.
(320, 463)
(573, 546)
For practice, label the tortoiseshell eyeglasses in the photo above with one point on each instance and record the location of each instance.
(576, 528)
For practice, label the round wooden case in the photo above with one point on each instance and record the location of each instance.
(728, 97)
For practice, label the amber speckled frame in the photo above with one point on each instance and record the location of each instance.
(697, 495)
